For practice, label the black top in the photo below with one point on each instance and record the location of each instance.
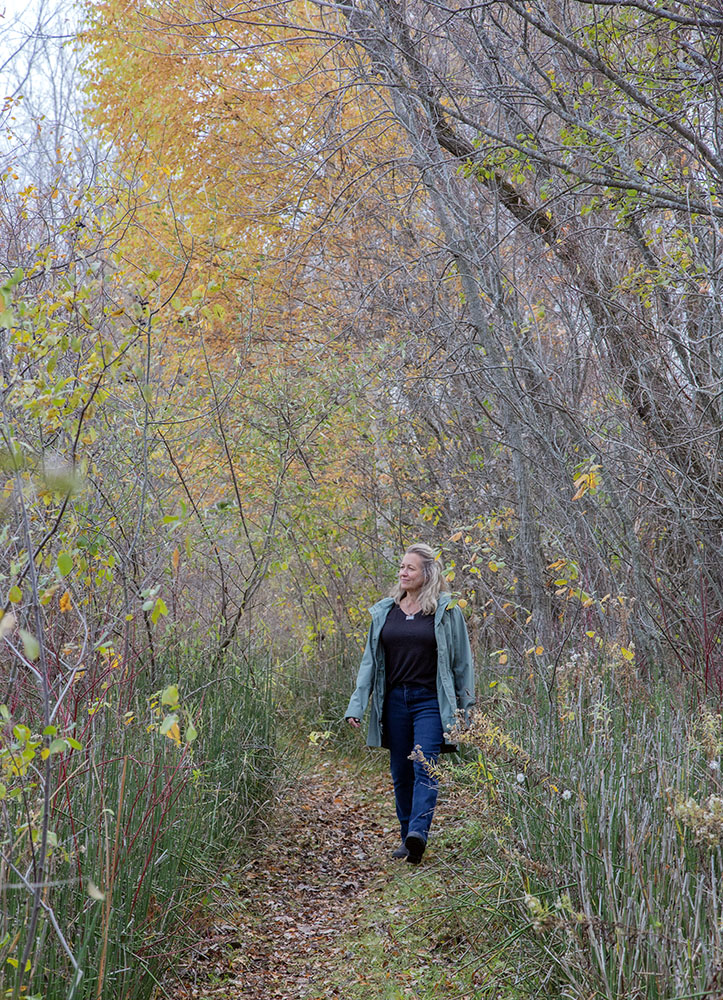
(410, 649)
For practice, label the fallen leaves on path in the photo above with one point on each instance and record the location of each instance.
(298, 902)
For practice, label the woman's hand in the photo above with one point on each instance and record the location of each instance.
(354, 723)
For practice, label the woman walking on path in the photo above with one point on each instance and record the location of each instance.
(417, 670)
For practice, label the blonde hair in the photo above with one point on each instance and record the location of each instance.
(432, 586)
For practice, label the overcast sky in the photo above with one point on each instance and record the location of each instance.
(30, 32)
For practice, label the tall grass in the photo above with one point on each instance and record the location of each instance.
(141, 822)
(314, 685)
(607, 804)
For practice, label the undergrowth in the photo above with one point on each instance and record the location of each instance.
(576, 852)
(603, 808)
(151, 795)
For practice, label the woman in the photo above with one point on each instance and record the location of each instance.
(417, 669)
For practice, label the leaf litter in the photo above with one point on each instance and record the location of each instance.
(300, 898)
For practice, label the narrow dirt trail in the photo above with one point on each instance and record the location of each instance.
(296, 903)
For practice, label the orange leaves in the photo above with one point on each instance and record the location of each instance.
(246, 162)
(587, 482)
(213, 139)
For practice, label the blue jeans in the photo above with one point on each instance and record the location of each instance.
(411, 718)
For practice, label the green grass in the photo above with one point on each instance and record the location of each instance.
(142, 825)
(597, 877)
(436, 931)
(612, 886)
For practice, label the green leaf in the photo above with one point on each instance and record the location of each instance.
(50, 731)
(30, 645)
(73, 743)
(191, 733)
(65, 563)
(170, 696)
(58, 746)
(158, 610)
(168, 722)
(15, 595)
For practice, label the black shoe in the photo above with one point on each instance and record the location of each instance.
(401, 852)
(415, 844)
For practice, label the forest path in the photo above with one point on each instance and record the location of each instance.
(298, 900)
(322, 912)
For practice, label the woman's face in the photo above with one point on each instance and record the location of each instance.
(411, 572)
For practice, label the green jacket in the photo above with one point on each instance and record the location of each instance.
(455, 670)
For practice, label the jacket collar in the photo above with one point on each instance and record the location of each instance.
(442, 601)
(380, 610)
